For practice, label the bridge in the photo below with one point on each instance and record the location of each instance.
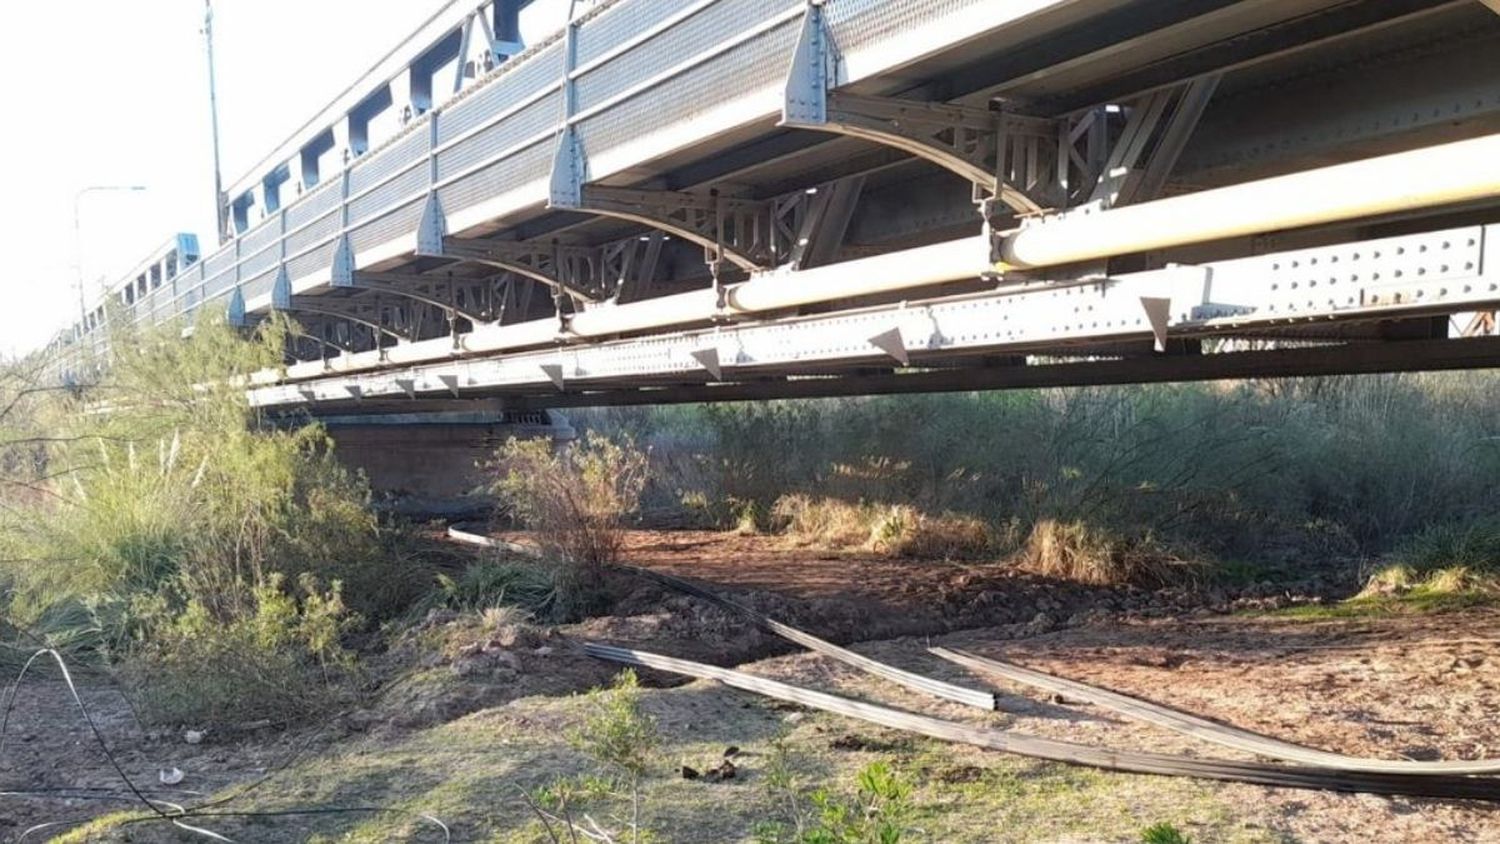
(725, 199)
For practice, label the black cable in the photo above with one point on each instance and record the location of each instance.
(87, 718)
(136, 794)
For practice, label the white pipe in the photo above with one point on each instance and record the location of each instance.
(1441, 175)
(919, 267)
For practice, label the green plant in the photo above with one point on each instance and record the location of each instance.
(878, 812)
(1163, 833)
(490, 584)
(280, 661)
(1472, 545)
(576, 498)
(620, 735)
(1074, 551)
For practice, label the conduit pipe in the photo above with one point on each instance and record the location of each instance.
(920, 267)
(1462, 171)
(1440, 175)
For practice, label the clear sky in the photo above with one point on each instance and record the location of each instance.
(104, 92)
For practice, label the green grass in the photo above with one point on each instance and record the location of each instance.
(470, 773)
(1416, 602)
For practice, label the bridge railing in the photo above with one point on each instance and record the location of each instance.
(638, 79)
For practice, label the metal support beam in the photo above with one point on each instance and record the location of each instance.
(734, 229)
(1149, 146)
(564, 269)
(323, 307)
(826, 223)
(415, 286)
(985, 147)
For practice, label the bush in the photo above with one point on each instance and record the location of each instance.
(280, 662)
(1163, 833)
(878, 812)
(491, 584)
(899, 530)
(1074, 551)
(1473, 545)
(165, 530)
(576, 498)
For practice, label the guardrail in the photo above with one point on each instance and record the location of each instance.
(626, 73)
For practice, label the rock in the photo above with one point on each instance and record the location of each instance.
(1040, 623)
(193, 736)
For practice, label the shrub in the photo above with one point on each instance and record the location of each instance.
(491, 584)
(1074, 551)
(1473, 545)
(878, 812)
(281, 661)
(828, 522)
(1163, 833)
(904, 531)
(576, 498)
(619, 735)
(898, 530)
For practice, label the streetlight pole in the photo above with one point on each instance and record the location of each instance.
(78, 240)
(213, 114)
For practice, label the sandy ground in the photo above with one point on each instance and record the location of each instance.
(1420, 687)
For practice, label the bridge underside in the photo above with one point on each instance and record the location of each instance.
(796, 239)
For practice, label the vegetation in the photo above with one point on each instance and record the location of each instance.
(217, 562)
(576, 498)
(1163, 833)
(878, 812)
(619, 736)
(1128, 480)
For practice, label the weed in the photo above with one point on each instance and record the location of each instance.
(1074, 551)
(619, 735)
(895, 530)
(491, 584)
(1163, 833)
(878, 812)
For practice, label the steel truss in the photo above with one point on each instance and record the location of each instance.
(1409, 278)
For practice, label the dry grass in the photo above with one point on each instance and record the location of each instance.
(1074, 551)
(893, 530)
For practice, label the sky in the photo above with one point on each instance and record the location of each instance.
(105, 92)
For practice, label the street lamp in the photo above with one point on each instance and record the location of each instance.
(78, 240)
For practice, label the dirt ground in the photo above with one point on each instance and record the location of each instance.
(1410, 686)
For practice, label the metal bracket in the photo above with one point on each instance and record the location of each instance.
(569, 172)
(322, 307)
(414, 286)
(235, 312)
(982, 146)
(432, 227)
(281, 291)
(892, 343)
(709, 359)
(554, 373)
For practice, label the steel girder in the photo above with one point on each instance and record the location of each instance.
(1318, 290)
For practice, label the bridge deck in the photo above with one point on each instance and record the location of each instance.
(590, 173)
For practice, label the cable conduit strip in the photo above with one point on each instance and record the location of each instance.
(1202, 728)
(1257, 773)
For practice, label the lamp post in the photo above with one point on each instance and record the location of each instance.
(78, 239)
(213, 114)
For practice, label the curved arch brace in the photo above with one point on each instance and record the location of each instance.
(695, 219)
(392, 284)
(329, 312)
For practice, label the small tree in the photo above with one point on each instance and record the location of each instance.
(576, 498)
